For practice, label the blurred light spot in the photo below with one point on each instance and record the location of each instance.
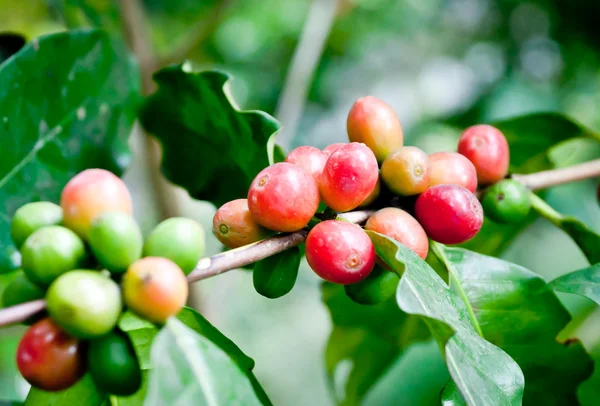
(238, 38)
(340, 377)
(466, 14)
(370, 4)
(486, 61)
(528, 20)
(541, 59)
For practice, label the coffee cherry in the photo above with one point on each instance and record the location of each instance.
(89, 194)
(372, 196)
(49, 252)
(48, 358)
(283, 197)
(21, 290)
(486, 147)
(234, 226)
(450, 214)
(340, 252)
(374, 123)
(179, 239)
(330, 149)
(406, 171)
(451, 168)
(378, 287)
(113, 365)
(310, 159)
(31, 217)
(116, 240)
(155, 288)
(507, 202)
(402, 227)
(349, 177)
(85, 303)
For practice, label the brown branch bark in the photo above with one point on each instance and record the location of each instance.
(553, 177)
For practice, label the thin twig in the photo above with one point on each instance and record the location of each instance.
(553, 177)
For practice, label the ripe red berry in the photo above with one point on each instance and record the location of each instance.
(372, 196)
(234, 226)
(450, 214)
(283, 197)
(330, 149)
(486, 147)
(402, 227)
(406, 171)
(349, 177)
(340, 252)
(374, 123)
(451, 168)
(89, 194)
(48, 358)
(310, 159)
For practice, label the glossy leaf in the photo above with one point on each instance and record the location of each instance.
(519, 312)
(367, 340)
(584, 282)
(484, 374)
(451, 396)
(83, 393)
(59, 116)
(275, 276)
(210, 148)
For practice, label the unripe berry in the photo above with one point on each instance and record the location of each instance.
(31, 217)
(402, 227)
(155, 288)
(89, 194)
(234, 226)
(310, 159)
(330, 149)
(451, 168)
(48, 358)
(349, 177)
(340, 252)
(486, 147)
(406, 171)
(21, 290)
(507, 202)
(379, 286)
(374, 123)
(450, 214)
(283, 197)
(372, 196)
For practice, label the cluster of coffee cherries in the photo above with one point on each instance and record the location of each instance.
(433, 197)
(87, 257)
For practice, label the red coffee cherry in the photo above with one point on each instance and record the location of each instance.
(283, 197)
(330, 149)
(234, 226)
(402, 227)
(48, 358)
(451, 168)
(340, 252)
(373, 196)
(450, 214)
(374, 123)
(310, 159)
(89, 194)
(406, 171)
(486, 147)
(349, 177)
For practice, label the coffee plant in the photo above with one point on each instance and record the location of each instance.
(407, 244)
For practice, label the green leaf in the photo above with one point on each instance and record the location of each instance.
(484, 374)
(5, 280)
(59, 116)
(210, 147)
(83, 393)
(205, 374)
(584, 282)
(12, 386)
(587, 240)
(365, 342)
(519, 312)
(275, 276)
(451, 396)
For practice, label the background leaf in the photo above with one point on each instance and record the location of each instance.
(519, 313)
(61, 115)
(83, 393)
(275, 276)
(206, 139)
(584, 282)
(484, 374)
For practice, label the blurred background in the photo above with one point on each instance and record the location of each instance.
(441, 64)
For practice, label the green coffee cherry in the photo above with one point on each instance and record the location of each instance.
(113, 365)
(85, 303)
(21, 290)
(49, 252)
(179, 239)
(116, 240)
(31, 217)
(379, 286)
(507, 202)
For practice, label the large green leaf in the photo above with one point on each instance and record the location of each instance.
(520, 313)
(484, 374)
(584, 282)
(83, 393)
(67, 103)
(210, 147)
(366, 340)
